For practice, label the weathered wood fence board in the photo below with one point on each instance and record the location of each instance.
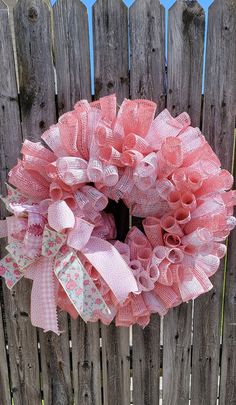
(4, 371)
(146, 363)
(147, 80)
(86, 363)
(110, 36)
(218, 127)
(185, 59)
(22, 342)
(147, 51)
(91, 364)
(36, 78)
(185, 46)
(72, 63)
(55, 363)
(228, 358)
(111, 70)
(72, 59)
(38, 111)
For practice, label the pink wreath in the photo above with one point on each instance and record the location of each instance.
(60, 236)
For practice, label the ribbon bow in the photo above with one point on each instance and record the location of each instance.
(55, 257)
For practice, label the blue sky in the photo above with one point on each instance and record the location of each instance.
(166, 3)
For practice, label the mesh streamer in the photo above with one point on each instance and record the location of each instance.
(59, 235)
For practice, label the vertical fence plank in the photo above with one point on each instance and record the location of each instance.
(115, 365)
(34, 56)
(146, 363)
(72, 61)
(147, 51)
(86, 363)
(110, 31)
(5, 94)
(185, 59)
(72, 57)
(218, 127)
(147, 80)
(111, 69)
(37, 102)
(4, 375)
(55, 364)
(22, 342)
(228, 358)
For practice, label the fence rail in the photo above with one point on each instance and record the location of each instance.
(190, 356)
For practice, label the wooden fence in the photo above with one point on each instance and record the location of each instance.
(191, 354)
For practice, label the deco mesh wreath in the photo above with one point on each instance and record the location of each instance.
(60, 236)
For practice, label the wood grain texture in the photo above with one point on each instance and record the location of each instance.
(86, 363)
(22, 341)
(115, 365)
(147, 80)
(38, 112)
(56, 378)
(110, 36)
(111, 70)
(218, 127)
(36, 76)
(4, 370)
(3, 6)
(22, 346)
(10, 128)
(72, 61)
(147, 51)
(228, 358)
(146, 363)
(72, 57)
(177, 355)
(185, 58)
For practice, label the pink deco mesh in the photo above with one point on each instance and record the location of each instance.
(62, 236)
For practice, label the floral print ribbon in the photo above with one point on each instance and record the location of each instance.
(58, 262)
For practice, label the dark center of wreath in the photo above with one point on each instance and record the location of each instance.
(121, 216)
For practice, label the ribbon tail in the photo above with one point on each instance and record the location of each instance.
(79, 287)
(109, 263)
(3, 228)
(43, 295)
(17, 252)
(10, 271)
(64, 303)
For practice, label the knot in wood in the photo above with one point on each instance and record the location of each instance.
(32, 14)
(85, 364)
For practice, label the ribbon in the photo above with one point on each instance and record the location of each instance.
(3, 228)
(69, 271)
(79, 286)
(111, 266)
(164, 171)
(10, 271)
(58, 262)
